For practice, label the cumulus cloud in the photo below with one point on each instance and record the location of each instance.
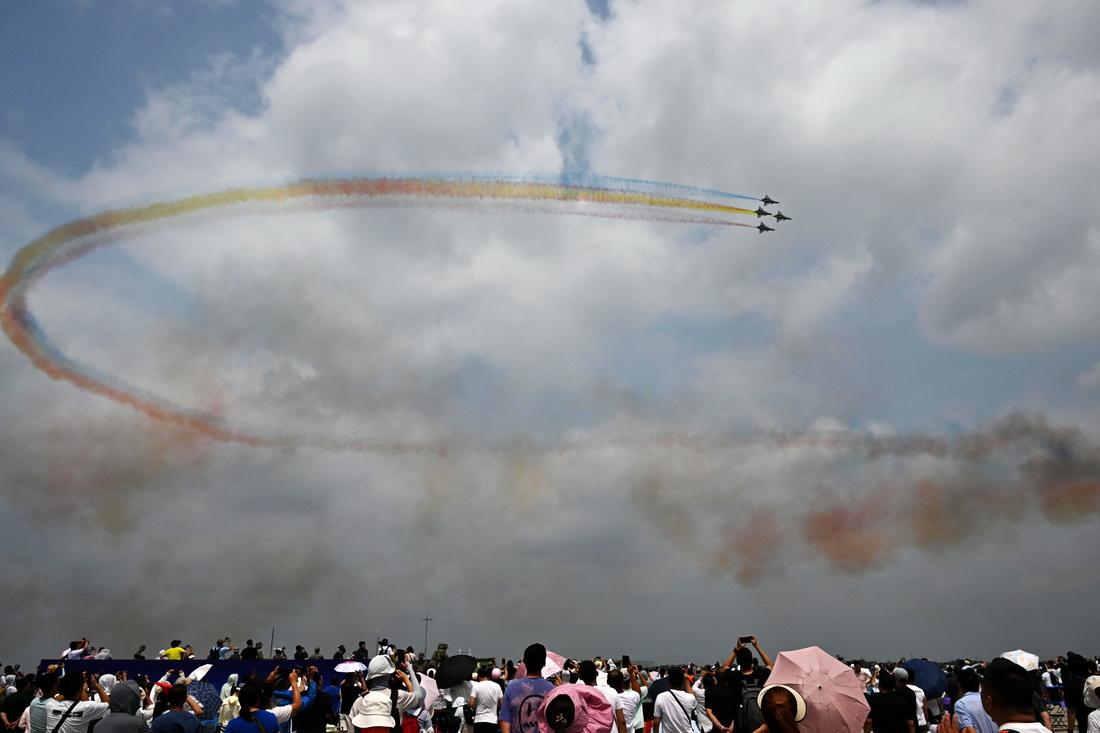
(567, 418)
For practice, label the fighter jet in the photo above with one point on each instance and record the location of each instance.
(760, 212)
(780, 217)
(768, 201)
(764, 228)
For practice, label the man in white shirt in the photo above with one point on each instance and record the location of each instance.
(673, 708)
(71, 711)
(485, 700)
(630, 697)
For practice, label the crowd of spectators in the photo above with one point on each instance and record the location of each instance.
(393, 690)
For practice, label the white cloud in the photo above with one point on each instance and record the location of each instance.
(937, 161)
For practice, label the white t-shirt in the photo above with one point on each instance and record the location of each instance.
(78, 720)
(919, 693)
(488, 695)
(612, 698)
(671, 711)
(1094, 722)
(1025, 727)
(630, 700)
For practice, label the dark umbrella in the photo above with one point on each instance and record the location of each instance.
(926, 676)
(455, 670)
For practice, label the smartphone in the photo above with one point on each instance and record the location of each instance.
(745, 639)
(626, 660)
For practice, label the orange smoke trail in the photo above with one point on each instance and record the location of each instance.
(852, 538)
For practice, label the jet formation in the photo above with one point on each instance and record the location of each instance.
(760, 212)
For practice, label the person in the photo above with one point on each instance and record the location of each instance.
(629, 696)
(1006, 694)
(350, 690)
(255, 700)
(175, 652)
(572, 708)
(703, 680)
(1073, 682)
(719, 704)
(384, 647)
(76, 650)
(674, 708)
(862, 674)
(361, 654)
(781, 707)
(316, 653)
(249, 651)
(524, 695)
(230, 708)
(486, 700)
(589, 673)
(969, 711)
(902, 688)
(176, 719)
(70, 711)
(372, 711)
(230, 686)
(339, 653)
(890, 712)
(123, 717)
(47, 688)
(746, 685)
(317, 713)
(920, 700)
(1091, 695)
(15, 703)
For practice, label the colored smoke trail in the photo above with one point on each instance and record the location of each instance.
(812, 504)
(584, 196)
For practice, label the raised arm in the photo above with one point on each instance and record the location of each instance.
(763, 656)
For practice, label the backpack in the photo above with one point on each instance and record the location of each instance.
(749, 717)
(410, 723)
(215, 653)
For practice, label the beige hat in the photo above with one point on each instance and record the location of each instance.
(799, 702)
(1092, 691)
(380, 666)
(372, 710)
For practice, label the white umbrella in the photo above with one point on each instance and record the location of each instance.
(200, 672)
(1027, 660)
(351, 666)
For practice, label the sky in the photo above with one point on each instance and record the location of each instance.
(874, 429)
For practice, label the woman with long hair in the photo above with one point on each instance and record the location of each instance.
(782, 708)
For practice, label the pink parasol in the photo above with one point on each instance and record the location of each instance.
(835, 702)
(431, 689)
(554, 664)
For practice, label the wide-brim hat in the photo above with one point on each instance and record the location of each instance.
(380, 666)
(1092, 691)
(799, 701)
(591, 711)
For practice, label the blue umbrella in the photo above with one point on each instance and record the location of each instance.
(926, 676)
